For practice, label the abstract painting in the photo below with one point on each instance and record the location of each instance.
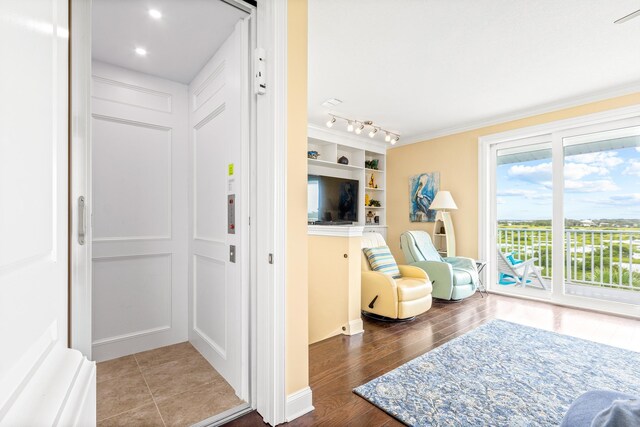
(422, 190)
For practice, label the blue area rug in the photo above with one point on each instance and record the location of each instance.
(501, 374)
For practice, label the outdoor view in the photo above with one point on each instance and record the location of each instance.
(601, 208)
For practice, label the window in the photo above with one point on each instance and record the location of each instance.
(563, 200)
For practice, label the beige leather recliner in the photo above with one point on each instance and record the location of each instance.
(382, 295)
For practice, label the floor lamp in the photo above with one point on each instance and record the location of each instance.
(444, 236)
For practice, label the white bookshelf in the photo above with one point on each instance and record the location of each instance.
(330, 147)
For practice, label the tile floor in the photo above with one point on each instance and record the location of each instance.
(168, 386)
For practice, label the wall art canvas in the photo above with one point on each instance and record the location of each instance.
(422, 190)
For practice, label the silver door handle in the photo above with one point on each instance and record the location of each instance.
(82, 220)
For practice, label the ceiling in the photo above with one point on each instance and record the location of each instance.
(432, 66)
(178, 44)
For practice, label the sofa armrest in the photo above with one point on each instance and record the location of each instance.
(413, 271)
(382, 286)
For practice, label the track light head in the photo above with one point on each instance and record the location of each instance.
(359, 126)
(331, 122)
(349, 126)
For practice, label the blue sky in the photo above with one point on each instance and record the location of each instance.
(603, 184)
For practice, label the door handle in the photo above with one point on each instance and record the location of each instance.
(82, 220)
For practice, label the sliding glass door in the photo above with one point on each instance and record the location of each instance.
(524, 215)
(602, 215)
(560, 214)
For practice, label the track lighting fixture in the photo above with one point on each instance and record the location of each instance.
(359, 126)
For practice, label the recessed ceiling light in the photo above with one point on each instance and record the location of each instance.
(331, 102)
(141, 51)
(155, 13)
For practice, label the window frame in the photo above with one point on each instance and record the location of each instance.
(556, 132)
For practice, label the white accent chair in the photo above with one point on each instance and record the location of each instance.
(519, 271)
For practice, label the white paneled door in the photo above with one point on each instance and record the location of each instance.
(39, 376)
(218, 238)
(139, 180)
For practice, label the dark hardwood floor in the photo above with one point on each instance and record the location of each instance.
(341, 363)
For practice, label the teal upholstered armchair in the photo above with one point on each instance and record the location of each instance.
(453, 278)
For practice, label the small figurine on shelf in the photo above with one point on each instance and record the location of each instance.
(371, 164)
(366, 199)
(376, 219)
(374, 203)
(370, 217)
(372, 183)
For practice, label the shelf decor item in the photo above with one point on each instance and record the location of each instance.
(312, 155)
(374, 203)
(372, 183)
(366, 199)
(370, 217)
(422, 191)
(371, 164)
(343, 160)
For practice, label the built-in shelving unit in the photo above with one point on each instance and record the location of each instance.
(333, 164)
(331, 146)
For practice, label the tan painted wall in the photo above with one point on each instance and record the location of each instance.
(456, 158)
(297, 354)
(334, 285)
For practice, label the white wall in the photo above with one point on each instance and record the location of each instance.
(218, 287)
(140, 211)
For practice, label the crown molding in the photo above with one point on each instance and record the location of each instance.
(522, 114)
(345, 138)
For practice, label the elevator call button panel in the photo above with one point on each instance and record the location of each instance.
(231, 214)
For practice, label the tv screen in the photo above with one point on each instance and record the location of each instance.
(332, 200)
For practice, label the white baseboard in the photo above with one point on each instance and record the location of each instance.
(354, 327)
(298, 404)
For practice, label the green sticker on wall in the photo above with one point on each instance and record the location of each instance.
(230, 169)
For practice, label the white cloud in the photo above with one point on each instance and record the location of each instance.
(638, 149)
(541, 174)
(581, 186)
(536, 174)
(515, 193)
(576, 171)
(633, 168)
(602, 159)
(625, 199)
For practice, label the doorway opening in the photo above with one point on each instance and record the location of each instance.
(169, 172)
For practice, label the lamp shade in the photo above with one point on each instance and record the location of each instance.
(443, 201)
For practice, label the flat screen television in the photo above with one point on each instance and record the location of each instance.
(332, 200)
